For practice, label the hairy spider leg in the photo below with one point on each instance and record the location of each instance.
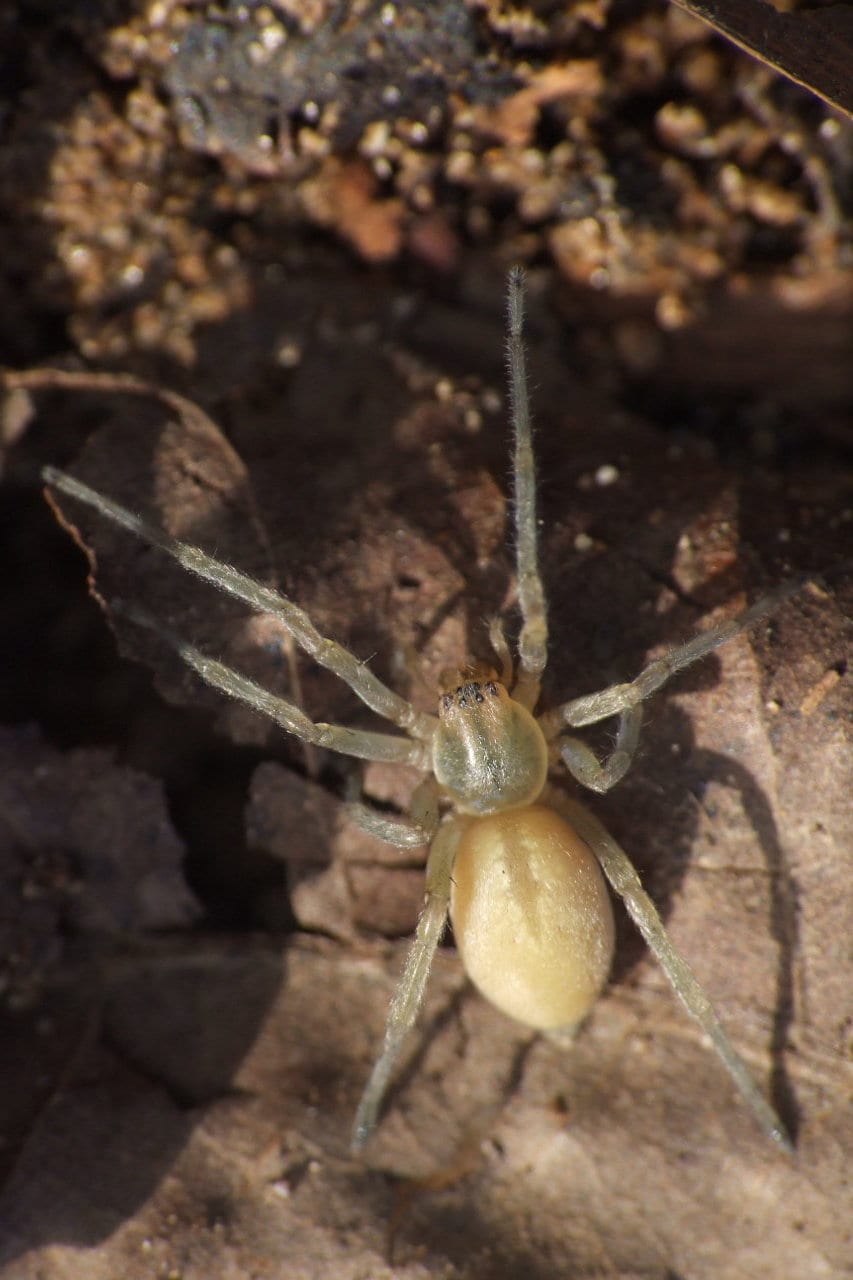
(533, 638)
(422, 824)
(625, 700)
(409, 994)
(597, 775)
(624, 879)
(364, 744)
(328, 653)
(532, 646)
(190, 414)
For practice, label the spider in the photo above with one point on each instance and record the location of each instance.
(523, 884)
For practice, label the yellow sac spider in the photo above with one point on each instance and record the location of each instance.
(523, 884)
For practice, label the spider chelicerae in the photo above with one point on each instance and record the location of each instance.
(520, 871)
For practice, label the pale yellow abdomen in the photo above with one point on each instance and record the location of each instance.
(532, 916)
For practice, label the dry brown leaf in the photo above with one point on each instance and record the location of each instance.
(627, 1154)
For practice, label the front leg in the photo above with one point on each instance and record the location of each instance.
(619, 698)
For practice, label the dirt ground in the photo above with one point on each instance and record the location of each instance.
(300, 217)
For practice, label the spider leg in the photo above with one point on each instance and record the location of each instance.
(362, 743)
(393, 831)
(263, 599)
(619, 698)
(418, 830)
(498, 641)
(409, 995)
(624, 879)
(583, 764)
(533, 639)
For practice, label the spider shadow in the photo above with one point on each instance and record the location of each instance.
(783, 920)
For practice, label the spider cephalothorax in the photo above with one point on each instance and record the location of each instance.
(488, 752)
